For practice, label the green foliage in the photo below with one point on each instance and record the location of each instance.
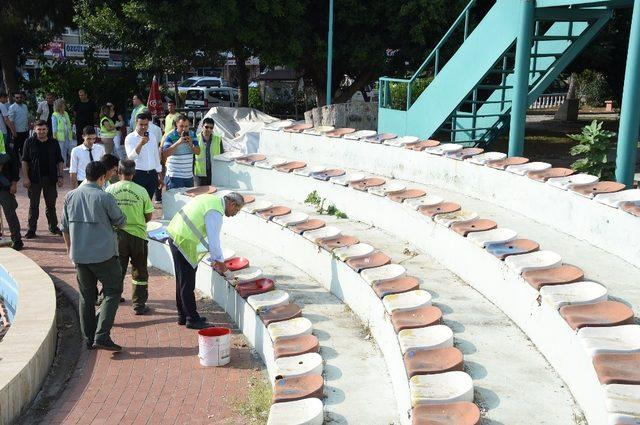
(593, 86)
(255, 100)
(314, 199)
(256, 406)
(593, 146)
(399, 92)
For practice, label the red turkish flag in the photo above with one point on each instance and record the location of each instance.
(154, 102)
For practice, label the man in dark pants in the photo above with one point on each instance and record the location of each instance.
(9, 176)
(85, 112)
(88, 219)
(42, 164)
(142, 147)
(210, 146)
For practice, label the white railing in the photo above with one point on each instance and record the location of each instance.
(549, 101)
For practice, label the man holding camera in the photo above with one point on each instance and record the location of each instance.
(178, 150)
(142, 148)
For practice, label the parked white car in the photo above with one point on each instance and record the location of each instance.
(193, 82)
(208, 97)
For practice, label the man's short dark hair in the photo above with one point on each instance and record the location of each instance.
(143, 116)
(39, 123)
(127, 167)
(181, 117)
(95, 170)
(109, 160)
(139, 96)
(88, 130)
(208, 121)
(171, 101)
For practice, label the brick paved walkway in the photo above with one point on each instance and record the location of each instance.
(157, 379)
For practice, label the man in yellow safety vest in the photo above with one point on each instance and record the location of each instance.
(210, 146)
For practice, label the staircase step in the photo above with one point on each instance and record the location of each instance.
(480, 115)
(546, 55)
(487, 102)
(493, 87)
(449, 130)
(555, 37)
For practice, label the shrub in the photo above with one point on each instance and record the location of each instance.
(399, 92)
(593, 87)
(593, 146)
(255, 100)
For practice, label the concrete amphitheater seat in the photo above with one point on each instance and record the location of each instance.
(268, 299)
(358, 250)
(616, 198)
(486, 157)
(406, 301)
(290, 328)
(566, 183)
(613, 339)
(632, 208)
(617, 368)
(444, 149)
(288, 167)
(406, 194)
(340, 132)
(442, 208)
(369, 182)
(298, 128)
(418, 317)
(309, 170)
(388, 188)
(399, 142)
(251, 159)
(295, 346)
(379, 138)
(467, 227)
(255, 287)
(375, 259)
(279, 313)
(308, 411)
(307, 225)
(502, 250)
(360, 134)
(395, 286)
(292, 218)
(201, 190)
(236, 263)
(528, 167)
(623, 401)
(425, 201)
(322, 233)
(494, 236)
(345, 179)
(430, 337)
(502, 164)
(272, 162)
(319, 130)
(560, 275)
(460, 413)
(459, 216)
(383, 273)
(328, 174)
(298, 388)
(550, 173)
(338, 242)
(583, 292)
(256, 206)
(447, 387)
(274, 211)
(465, 153)
(244, 275)
(602, 314)
(538, 260)
(422, 145)
(427, 362)
(602, 187)
(301, 365)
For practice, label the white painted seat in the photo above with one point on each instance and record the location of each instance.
(360, 134)
(427, 201)
(566, 183)
(401, 141)
(441, 388)
(483, 158)
(269, 163)
(306, 171)
(624, 400)
(228, 156)
(308, 411)
(455, 217)
(430, 337)
(345, 179)
(154, 225)
(278, 125)
(523, 169)
(319, 131)
(616, 198)
(406, 300)
(292, 218)
(538, 260)
(245, 275)
(289, 328)
(387, 188)
(577, 293)
(322, 233)
(256, 206)
(268, 299)
(301, 365)
(487, 237)
(383, 273)
(444, 148)
(612, 339)
(358, 250)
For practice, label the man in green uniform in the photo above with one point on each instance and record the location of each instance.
(136, 206)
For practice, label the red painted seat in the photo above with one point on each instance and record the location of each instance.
(201, 190)
(441, 208)
(560, 275)
(602, 314)
(549, 173)
(365, 184)
(618, 368)
(597, 188)
(416, 318)
(396, 286)
(427, 362)
(298, 128)
(297, 388)
(514, 247)
(406, 194)
(501, 164)
(376, 259)
(236, 263)
(465, 153)
(251, 158)
(631, 207)
(253, 287)
(279, 313)
(248, 199)
(338, 242)
(295, 346)
(327, 174)
(421, 145)
(311, 224)
(460, 413)
(275, 211)
(290, 166)
(339, 132)
(477, 225)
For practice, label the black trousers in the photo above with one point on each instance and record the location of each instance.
(148, 180)
(46, 186)
(9, 206)
(203, 181)
(185, 285)
(18, 143)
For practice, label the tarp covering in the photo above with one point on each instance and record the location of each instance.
(239, 127)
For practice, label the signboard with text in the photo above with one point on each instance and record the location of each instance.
(77, 51)
(54, 49)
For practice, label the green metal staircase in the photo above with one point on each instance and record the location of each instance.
(469, 99)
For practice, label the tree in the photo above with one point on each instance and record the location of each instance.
(26, 26)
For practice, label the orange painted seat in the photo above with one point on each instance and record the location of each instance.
(251, 158)
(339, 132)
(253, 287)
(477, 225)
(396, 286)
(201, 190)
(236, 263)
(421, 145)
(602, 314)
(459, 413)
(400, 196)
(288, 167)
(441, 208)
(365, 184)
(597, 188)
(549, 173)
(631, 207)
(501, 164)
(427, 362)
(297, 388)
(275, 211)
(560, 275)
(617, 368)
(338, 242)
(295, 346)
(465, 153)
(248, 199)
(416, 318)
(517, 246)
(279, 313)
(376, 259)
(311, 224)
(298, 128)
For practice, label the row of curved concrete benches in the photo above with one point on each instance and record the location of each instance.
(294, 363)
(582, 304)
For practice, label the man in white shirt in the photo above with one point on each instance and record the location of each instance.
(142, 147)
(83, 154)
(45, 110)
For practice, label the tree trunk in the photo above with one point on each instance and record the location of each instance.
(360, 81)
(242, 74)
(8, 59)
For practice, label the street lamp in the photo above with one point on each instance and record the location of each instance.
(329, 52)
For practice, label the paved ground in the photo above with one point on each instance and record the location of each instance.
(157, 379)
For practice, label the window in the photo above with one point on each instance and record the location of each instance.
(220, 95)
(208, 82)
(187, 83)
(195, 95)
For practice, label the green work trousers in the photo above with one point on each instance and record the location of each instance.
(132, 248)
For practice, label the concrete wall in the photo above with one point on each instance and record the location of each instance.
(358, 115)
(27, 350)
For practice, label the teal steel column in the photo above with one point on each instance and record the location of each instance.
(521, 84)
(330, 53)
(630, 111)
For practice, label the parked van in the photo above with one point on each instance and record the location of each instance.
(207, 97)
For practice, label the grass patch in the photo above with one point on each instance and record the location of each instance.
(314, 199)
(256, 407)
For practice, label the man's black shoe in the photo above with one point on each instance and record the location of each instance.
(182, 321)
(30, 234)
(198, 325)
(107, 344)
(141, 310)
(89, 345)
(55, 231)
(17, 245)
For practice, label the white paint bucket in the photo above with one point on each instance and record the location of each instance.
(214, 346)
